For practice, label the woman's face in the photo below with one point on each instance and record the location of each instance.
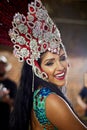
(55, 66)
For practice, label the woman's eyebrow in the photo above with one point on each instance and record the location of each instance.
(62, 54)
(50, 59)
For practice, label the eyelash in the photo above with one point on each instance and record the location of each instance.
(49, 63)
(62, 58)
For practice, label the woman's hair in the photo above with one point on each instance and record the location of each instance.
(19, 118)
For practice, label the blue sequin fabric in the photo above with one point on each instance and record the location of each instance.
(39, 102)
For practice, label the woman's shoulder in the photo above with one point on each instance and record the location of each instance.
(56, 100)
(47, 93)
(46, 96)
(49, 106)
(40, 96)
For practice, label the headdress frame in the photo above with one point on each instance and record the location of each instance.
(34, 34)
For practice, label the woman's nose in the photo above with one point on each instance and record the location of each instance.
(59, 65)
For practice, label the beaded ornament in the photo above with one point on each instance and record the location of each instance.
(33, 35)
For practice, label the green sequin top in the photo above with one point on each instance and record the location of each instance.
(39, 100)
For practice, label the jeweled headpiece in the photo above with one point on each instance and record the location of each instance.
(33, 35)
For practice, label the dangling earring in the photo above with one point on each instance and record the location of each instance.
(33, 81)
(44, 76)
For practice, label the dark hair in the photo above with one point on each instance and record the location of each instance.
(21, 115)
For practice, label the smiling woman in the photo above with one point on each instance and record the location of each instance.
(40, 102)
(55, 66)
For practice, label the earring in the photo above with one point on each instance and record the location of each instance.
(44, 75)
(33, 81)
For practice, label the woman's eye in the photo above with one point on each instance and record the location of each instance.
(49, 63)
(62, 58)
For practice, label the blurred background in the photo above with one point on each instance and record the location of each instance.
(71, 18)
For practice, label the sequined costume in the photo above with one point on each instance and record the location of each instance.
(39, 102)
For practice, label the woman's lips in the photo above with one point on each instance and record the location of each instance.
(60, 76)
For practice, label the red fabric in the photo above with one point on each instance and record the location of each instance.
(7, 11)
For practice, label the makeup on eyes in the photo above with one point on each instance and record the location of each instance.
(62, 57)
(51, 61)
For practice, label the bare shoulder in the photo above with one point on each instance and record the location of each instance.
(53, 100)
(61, 115)
(57, 104)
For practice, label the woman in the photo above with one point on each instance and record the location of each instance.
(40, 102)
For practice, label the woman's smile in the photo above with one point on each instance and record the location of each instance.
(60, 76)
(55, 66)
